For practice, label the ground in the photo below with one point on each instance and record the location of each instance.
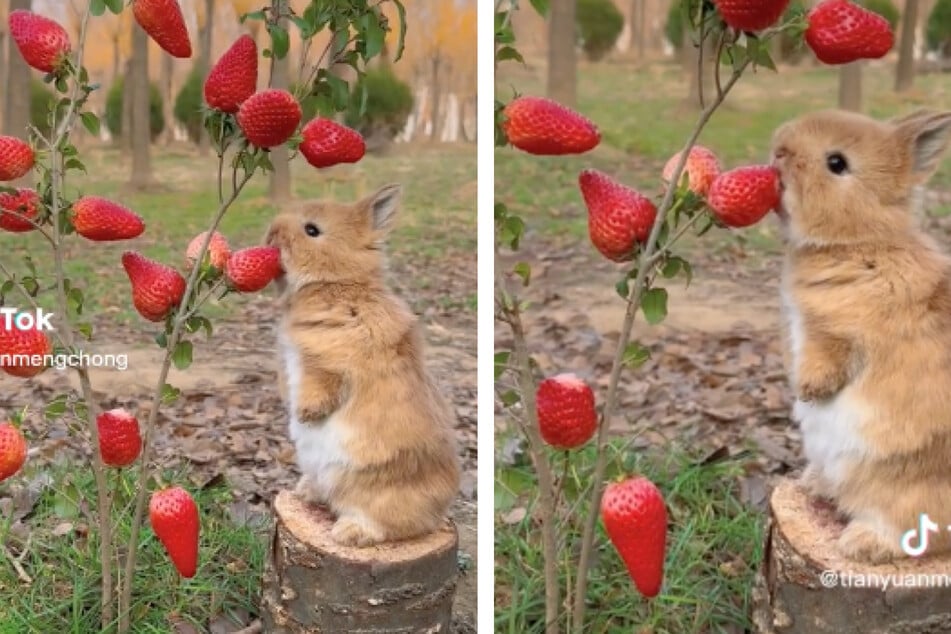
(715, 389)
(228, 428)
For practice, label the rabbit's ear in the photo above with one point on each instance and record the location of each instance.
(383, 205)
(927, 136)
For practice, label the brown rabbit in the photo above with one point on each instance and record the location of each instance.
(867, 298)
(373, 435)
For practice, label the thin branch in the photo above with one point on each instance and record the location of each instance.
(21, 573)
(681, 231)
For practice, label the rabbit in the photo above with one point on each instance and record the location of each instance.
(373, 436)
(867, 303)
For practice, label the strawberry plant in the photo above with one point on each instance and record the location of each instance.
(243, 125)
(641, 234)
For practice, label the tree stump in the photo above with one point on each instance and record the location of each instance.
(805, 587)
(314, 585)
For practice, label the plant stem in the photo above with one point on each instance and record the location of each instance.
(633, 304)
(145, 470)
(536, 448)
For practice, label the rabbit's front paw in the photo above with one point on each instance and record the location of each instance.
(350, 530)
(308, 490)
(861, 542)
(819, 385)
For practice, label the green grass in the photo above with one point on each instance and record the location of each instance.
(713, 549)
(644, 121)
(438, 216)
(65, 593)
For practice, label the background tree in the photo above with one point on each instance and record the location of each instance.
(280, 182)
(938, 30)
(600, 24)
(850, 75)
(206, 30)
(905, 72)
(140, 135)
(16, 110)
(562, 65)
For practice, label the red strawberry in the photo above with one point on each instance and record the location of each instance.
(327, 143)
(743, 196)
(174, 518)
(840, 32)
(618, 216)
(251, 269)
(17, 210)
(635, 519)
(164, 22)
(119, 439)
(16, 158)
(702, 168)
(156, 288)
(19, 346)
(218, 250)
(751, 15)
(12, 450)
(542, 126)
(234, 77)
(102, 220)
(43, 43)
(269, 117)
(566, 416)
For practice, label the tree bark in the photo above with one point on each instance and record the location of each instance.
(140, 134)
(125, 128)
(905, 73)
(168, 99)
(562, 64)
(850, 86)
(437, 97)
(312, 584)
(16, 110)
(280, 185)
(805, 587)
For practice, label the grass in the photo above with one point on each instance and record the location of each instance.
(438, 215)
(65, 593)
(644, 121)
(714, 547)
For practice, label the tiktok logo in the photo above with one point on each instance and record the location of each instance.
(925, 526)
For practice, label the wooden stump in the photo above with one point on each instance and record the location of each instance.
(805, 587)
(314, 585)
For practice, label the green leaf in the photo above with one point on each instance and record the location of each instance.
(672, 267)
(373, 37)
(75, 164)
(90, 122)
(170, 394)
(635, 355)
(654, 305)
(524, 271)
(97, 7)
(74, 301)
(401, 40)
(512, 231)
(85, 329)
(162, 339)
(182, 355)
(509, 52)
(115, 6)
(253, 15)
(510, 398)
(623, 288)
(280, 40)
(501, 362)
(55, 408)
(540, 6)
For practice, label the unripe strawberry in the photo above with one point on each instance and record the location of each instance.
(102, 220)
(218, 250)
(702, 168)
(234, 77)
(18, 211)
(635, 520)
(249, 270)
(618, 216)
(42, 42)
(12, 450)
(174, 518)
(156, 288)
(542, 126)
(566, 414)
(20, 348)
(269, 118)
(119, 440)
(743, 196)
(16, 158)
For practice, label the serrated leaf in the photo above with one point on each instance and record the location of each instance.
(85, 329)
(654, 305)
(541, 7)
(170, 394)
(635, 355)
(115, 6)
(672, 267)
(510, 398)
(97, 7)
(507, 53)
(55, 408)
(90, 122)
(182, 355)
(623, 288)
(280, 40)
(501, 362)
(512, 230)
(373, 38)
(524, 271)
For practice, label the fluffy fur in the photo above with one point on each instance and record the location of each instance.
(373, 435)
(867, 299)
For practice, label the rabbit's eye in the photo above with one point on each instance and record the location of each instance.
(311, 230)
(837, 163)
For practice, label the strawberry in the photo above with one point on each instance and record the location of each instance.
(174, 518)
(234, 77)
(702, 168)
(19, 346)
(618, 216)
(156, 288)
(566, 416)
(43, 43)
(840, 32)
(218, 250)
(17, 210)
(16, 158)
(251, 269)
(12, 450)
(743, 196)
(119, 439)
(751, 15)
(269, 117)
(102, 220)
(542, 126)
(327, 143)
(635, 519)
(164, 22)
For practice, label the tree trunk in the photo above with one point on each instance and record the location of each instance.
(805, 587)
(280, 185)
(140, 134)
(639, 8)
(562, 65)
(312, 584)
(905, 73)
(437, 97)
(16, 110)
(204, 59)
(168, 103)
(850, 86)
(125, 128)
(116, 57)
